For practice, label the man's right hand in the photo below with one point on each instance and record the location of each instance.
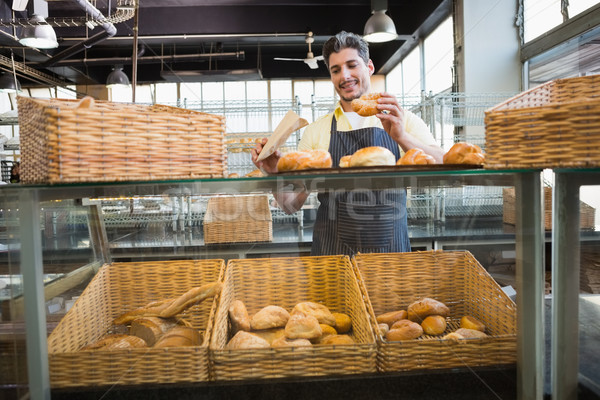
(269, 164)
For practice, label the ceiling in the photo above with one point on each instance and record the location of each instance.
(191, 40)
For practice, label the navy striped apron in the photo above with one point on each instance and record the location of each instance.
(360, 220)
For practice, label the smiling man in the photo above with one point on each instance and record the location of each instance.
(359, 220)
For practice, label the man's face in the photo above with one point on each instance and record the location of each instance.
(350, 76)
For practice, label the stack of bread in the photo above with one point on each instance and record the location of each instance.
(307, 324)
(156, 324)
(426, 316)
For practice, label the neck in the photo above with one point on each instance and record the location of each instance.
(346, 106)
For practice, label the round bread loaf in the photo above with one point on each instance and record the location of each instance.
(472, 323)
(372, 156)
(404, 330)
(434, 325)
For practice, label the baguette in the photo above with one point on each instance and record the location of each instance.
(191, 297)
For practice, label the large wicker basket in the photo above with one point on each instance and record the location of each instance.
(284, 282)
(62, 142)
(392, 281)
(118, 288)
(238, 219)
(553, 125)
(587, 215)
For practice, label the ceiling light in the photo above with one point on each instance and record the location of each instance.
(9, 84)
(117, 78)
(379, 27)
(39, 36)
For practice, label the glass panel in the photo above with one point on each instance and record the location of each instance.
(123, 94)
(212, 91)
(191, 92)
(257, 90)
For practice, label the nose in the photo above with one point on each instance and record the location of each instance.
(345, 72)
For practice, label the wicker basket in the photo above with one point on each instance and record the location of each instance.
(235, 219)
(554, 125)
(118, 288)
(284, 282)
(61, 142)
(587, 213)
(393, 281)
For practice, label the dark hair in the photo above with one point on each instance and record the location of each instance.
(344, 40)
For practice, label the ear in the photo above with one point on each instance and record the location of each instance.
(371, 67)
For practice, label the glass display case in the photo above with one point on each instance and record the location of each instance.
(47, 262)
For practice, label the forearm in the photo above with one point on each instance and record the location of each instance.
(290, 202)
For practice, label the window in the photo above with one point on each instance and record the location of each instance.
(439, 58)
(539, 16)
(411, 73)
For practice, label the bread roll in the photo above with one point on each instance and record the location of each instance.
(287, 342)
(246, 340)
(372, 156)
(345, 161)
(434, 325)
(270, 335)
(304, 159)
(426, 306)
(404, 330)
(116, 342)
(343, 322)
(270, 317)
(151, 329)
(337, 339)
(472, 323)
(416, 157)
(319, 311)
(301, 326)
(464, 333)
(327, 330)
(366, 105)
(460, 153)
(383, 329)
(390, 317)
(179, 336)
(470, 333)
(238, 316)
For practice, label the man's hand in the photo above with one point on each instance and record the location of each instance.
(391, 116)
(269, 164)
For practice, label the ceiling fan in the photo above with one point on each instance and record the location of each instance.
(310, 59)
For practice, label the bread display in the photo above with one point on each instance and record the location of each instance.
(270, 317)
(464, 153)
(372, 156)
(308, 321)
(416, 156)
(366, 105)
(238, 315)
(319, 311)
(304, 159)
(420, 309)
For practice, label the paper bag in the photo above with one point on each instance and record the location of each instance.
(290, 123)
